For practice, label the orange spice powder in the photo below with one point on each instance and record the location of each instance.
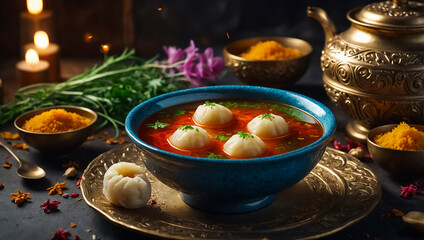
(402, 137)
(270, 50)
(56, 120)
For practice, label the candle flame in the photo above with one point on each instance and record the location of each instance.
(31, 57)
(105, 48)
(35, 7)
(41, 40)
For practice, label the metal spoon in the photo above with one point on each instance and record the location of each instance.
(26, 169)
(415, 219)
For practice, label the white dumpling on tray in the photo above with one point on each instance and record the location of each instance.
(125, 184)
(268, 125)
(189, 137)
(244, 145)
(211, 113)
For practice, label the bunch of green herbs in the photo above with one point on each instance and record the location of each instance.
(111, 89)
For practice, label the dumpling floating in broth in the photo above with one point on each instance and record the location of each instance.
(212, 113)
(244, 145)
(189, 137)
(268, 125)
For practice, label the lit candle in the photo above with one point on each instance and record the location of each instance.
(32, 70)
(33, 20)
(47, 51)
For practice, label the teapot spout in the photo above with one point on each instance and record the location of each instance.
(326, 23)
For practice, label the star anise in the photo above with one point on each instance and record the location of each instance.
(19, 197)
(57, 188)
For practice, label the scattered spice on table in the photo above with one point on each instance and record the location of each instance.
(6, 156)
(408, 191)
(111, 141)
(402, 137)
(73, 225)
(19, 197)
(70, 172)
(88, 230)
(123, 133)
(270, 50)
(1, 186)
(153, 202)
(50, 206)
(74, 195)
(349, 146)
(65, 195)
(71, 163)
(19, 145)
(77, 237)
(57, 188)
(61, 234)
(9, 136)
(393, 213)
(79, 199)
(56, 120)
(90, 138)
(7, 164)
(79, 182)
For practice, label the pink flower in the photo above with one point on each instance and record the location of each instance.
(409, 190)
(50, 206)
(174, 54)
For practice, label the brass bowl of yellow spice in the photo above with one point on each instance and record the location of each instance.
(56, 129)
(268, 61)
(398, 148)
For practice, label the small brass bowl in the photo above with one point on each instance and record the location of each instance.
(268, 73)
(395, 162)
(61, 142)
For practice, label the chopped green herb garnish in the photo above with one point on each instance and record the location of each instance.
(210, 104)
(213, 155)
(157, 125)
(245, 135)
(266, 115)
(221, 137)
(185, 127)
(179, 112)
(197, 130)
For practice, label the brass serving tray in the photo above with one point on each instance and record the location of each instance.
(338, 192)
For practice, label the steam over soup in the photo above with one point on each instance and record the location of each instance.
(279, 128)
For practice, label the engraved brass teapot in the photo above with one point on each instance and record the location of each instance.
(374, 71)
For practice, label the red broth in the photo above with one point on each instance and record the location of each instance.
(303, 128)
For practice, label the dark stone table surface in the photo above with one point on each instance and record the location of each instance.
(30, 222)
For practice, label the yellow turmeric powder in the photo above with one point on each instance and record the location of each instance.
(270, 50)
(56, 120)
(402, 137)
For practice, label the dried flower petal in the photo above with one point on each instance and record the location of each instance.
(9, 136)
(88, 230)
(19, 197)
(1, 186)
(393, 213)
(57, 188)
(7, 164)
(18, 145)
(345, 148)
(79, 182)
(49, 207)
(73, 225)
(61, 234)
(70, 172)
(74, 195)
(153, 202)
(79, 199)
(408, 191)
(77, 237)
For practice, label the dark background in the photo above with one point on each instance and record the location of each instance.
(139, 23)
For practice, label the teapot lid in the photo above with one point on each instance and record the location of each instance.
(396, 14)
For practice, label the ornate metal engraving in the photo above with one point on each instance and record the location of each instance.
(388, 8)
(339, 191)
(373, 71)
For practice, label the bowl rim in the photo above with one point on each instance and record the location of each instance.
(133, 135)
(375, 131)
(225, 50)
(53, 107)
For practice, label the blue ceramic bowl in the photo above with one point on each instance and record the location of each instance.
(230, 185)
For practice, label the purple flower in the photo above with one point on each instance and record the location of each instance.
(198, 68)
(174, 54)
